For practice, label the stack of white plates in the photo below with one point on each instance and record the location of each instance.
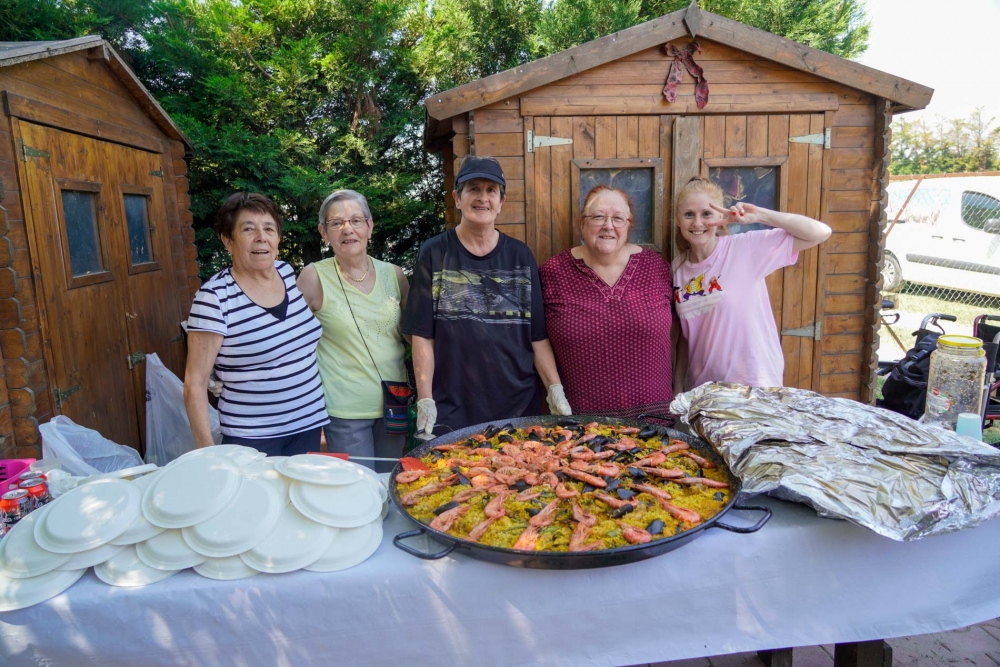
(225, 511)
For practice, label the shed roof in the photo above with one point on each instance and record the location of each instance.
(12, 53)
(691, 20)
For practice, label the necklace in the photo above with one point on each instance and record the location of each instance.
(352, 278)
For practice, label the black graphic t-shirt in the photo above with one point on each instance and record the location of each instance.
(483, 314)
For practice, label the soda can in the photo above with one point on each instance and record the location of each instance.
(38, 491)
(14, 506)
(31, 474)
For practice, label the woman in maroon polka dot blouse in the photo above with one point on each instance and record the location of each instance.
(608, 311)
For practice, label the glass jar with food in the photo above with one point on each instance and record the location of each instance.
(955, 380)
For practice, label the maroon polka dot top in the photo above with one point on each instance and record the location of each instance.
(612, 344)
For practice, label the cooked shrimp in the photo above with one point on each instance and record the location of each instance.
(691, 481)
(411, 476)
(634, 535)
(495, 506)
(584, 477)
(546, 516)
(680, 513)
(549, 478)
(617, 503)
(652, 460)
(673, 474)
(444, 521)
(477, 533)
(581, 516)
(527, 540)
(654, 491)
(564, 491)
(413, 497)
(703, 462)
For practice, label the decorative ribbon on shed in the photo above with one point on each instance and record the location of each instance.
(685, 57)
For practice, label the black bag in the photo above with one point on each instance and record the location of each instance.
(905, 390)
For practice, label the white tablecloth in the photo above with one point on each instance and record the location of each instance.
(799, 581)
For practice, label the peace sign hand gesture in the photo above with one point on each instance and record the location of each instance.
(743, 213)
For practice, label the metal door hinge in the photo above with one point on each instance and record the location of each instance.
(27, 151)
(822, 138)
(536, 141)
(158, 173)
(135, 359)
(61, 395)
(814, 331)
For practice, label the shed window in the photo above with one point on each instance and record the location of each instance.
(981, 211)
(637, 183)
(756, 185)
(80, 217)
(137, 218)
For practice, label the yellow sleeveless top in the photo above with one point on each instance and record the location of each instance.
(350, 383)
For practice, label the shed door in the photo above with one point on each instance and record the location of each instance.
(775, 161)
(101, 254)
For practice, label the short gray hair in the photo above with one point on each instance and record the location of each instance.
(343, 195)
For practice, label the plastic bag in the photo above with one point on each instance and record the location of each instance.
(84, 451)
(168, 430)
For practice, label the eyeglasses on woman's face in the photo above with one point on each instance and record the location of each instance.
(601, 220)
(337, 224)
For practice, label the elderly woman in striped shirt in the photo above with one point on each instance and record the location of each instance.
(251, 325)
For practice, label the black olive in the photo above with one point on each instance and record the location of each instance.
(587, 488)
(655, 527)
(621, 511)
(635, 450)
(647, 433)
(521, 485)
(613, 484)
(625, 494)
(718, 495)
(561, 475)
(444, 508)
(456, 469)
(463, 480)
(568, 421)
(534, 436)
(503, 437)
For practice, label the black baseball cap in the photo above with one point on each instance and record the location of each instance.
(480, 167)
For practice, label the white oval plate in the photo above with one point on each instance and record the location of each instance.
(126, 569)
(375, 479)
(88, 516)
(264, 470)
(225, 569)
(239, 454)
(191, 491)
(351, 547)
(141, 529)
(134, 471)
(95, 556)
(318, 469)
(337, 506)
(21, 593)
(20, 555)
(294, 543)
(168, 551)
(247, 520)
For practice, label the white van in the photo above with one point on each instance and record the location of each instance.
(947, 236)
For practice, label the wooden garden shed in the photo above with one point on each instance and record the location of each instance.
(97, 257)
(785, 125)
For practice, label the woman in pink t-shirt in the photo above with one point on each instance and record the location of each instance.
(719, 291)
(608, 314)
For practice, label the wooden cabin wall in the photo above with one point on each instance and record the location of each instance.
(741, 85)
(75, 92)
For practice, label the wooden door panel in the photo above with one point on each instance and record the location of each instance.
(84, 335)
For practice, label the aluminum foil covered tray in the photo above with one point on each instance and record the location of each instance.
(848, 460)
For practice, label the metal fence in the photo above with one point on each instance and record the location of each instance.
(942, 253)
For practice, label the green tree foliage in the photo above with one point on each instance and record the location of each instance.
(33, 20)
(945, 145)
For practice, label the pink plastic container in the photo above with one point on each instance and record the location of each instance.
(10, 469)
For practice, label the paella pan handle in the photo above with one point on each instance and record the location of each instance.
(746, 529)
(398, 541)
(670, 419)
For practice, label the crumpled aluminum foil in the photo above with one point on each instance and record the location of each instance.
(847, 460)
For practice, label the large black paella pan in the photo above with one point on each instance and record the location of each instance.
(563, 560)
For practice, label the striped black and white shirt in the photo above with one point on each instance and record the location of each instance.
(267, 365)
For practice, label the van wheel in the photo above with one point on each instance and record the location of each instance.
(892, 274)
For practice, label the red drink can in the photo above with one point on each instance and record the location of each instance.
(38, 491)
(14, 506)
(31, 474)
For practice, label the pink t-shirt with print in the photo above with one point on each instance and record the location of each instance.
(725, 313)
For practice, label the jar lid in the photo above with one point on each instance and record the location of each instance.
(961, 342)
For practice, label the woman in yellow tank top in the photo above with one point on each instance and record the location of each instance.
(359, 301)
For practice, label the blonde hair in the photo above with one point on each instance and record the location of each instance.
(694, 186)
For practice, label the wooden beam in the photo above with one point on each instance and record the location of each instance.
(26, 108)
(820, 63)
(567, 105)
(540, 72)
(693, 18)
(686, 161)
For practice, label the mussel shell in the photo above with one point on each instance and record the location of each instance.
(491, 431)
(507, 427)
(622, 456)
(503, 437)
(655, 527)
(561, 475)
(613, 484)
(625, 494)
(456, 469)
(444, 508)
(621, 511)
(532, 511)
(587, 488)
(700, 473)
(648, 432)
(549, 443)
(534, 436)
(636, 473)
(568, 421)
(719, 495)
(635, 450)
(521, 485)
(463, 480)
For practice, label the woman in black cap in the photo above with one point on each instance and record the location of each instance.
(476, 316)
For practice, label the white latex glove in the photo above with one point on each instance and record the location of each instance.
(427, 414)
(558, 405)
(214, 385)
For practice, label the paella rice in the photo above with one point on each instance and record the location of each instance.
(573, 487)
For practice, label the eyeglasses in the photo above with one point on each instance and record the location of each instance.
(601, 220)
(338, 224)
